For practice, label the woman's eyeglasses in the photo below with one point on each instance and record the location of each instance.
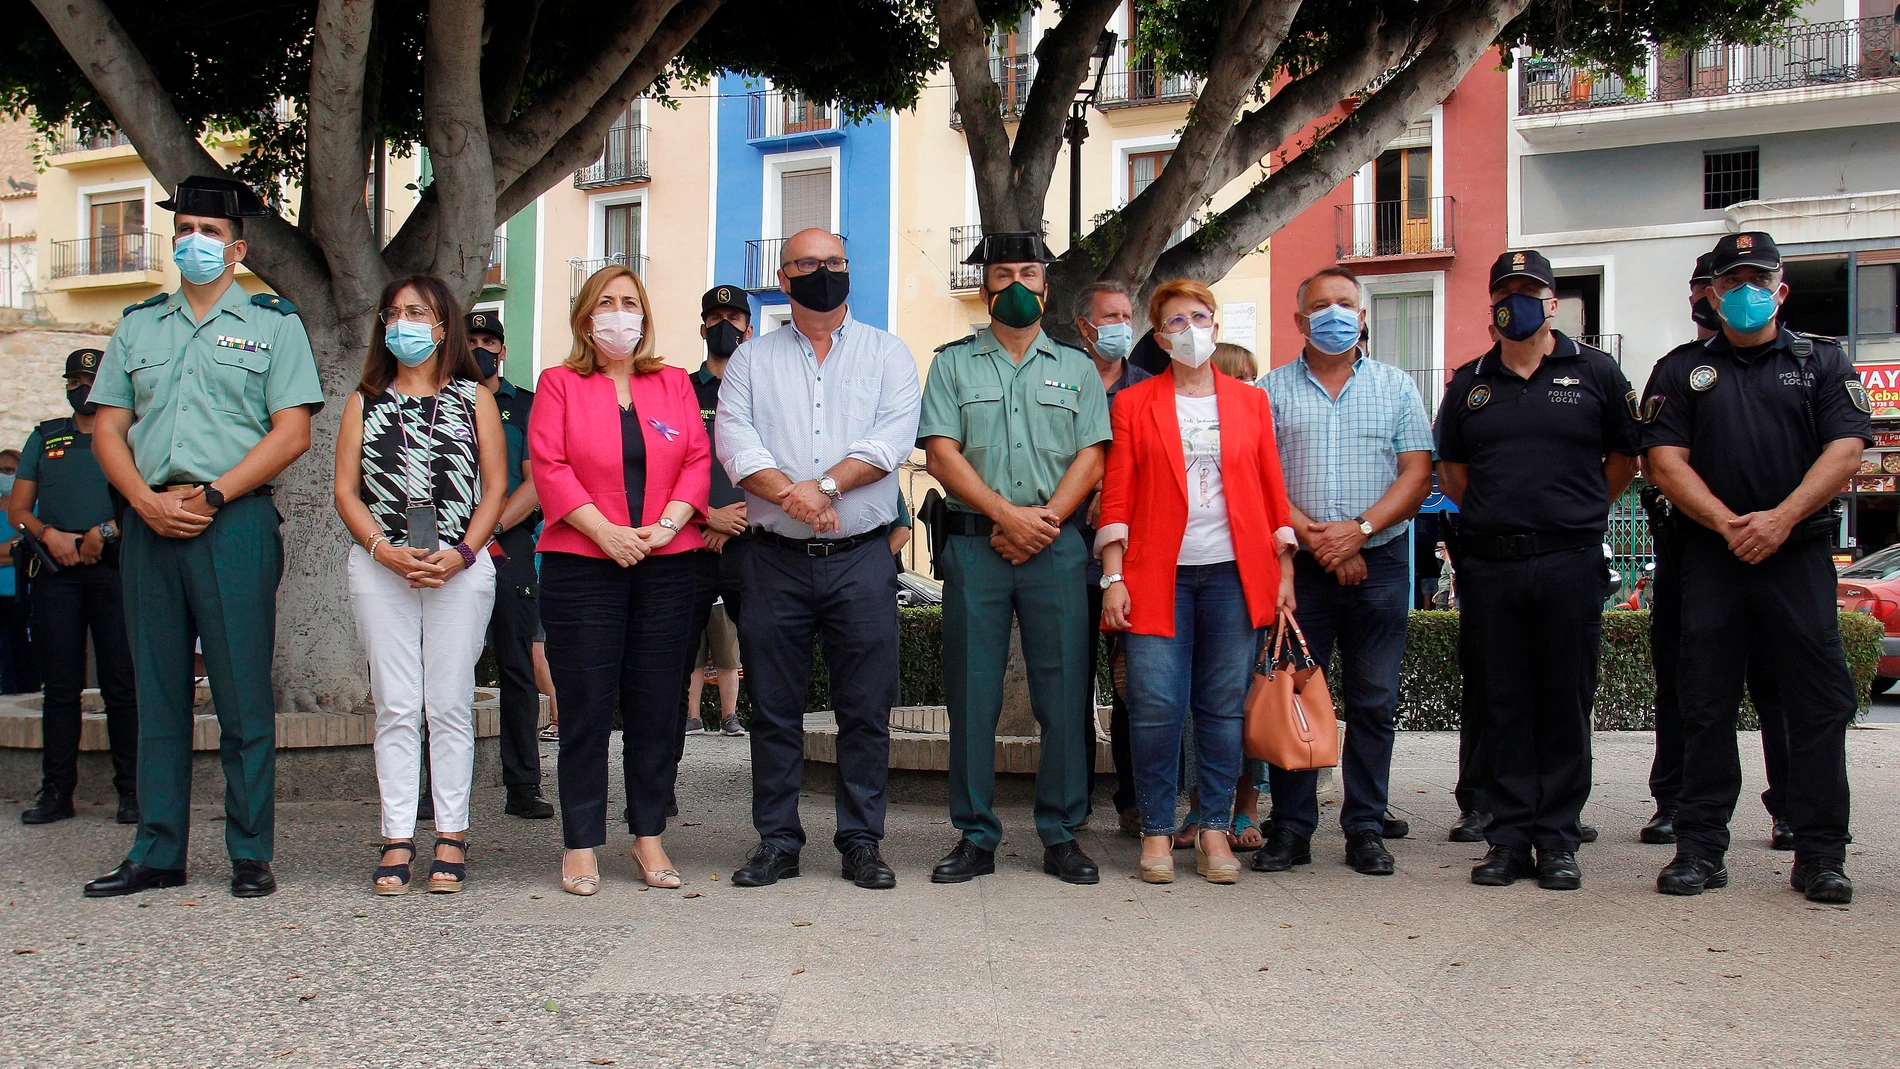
(1177, 324)
(409, 313)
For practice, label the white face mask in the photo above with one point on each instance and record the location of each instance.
(617, 333)
(1193, 346)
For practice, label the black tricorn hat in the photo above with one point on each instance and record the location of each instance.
(1011, 247)
(215, 198)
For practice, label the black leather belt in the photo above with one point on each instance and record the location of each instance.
(1520, 546)
(266, 490)
(975, 523)
(821, 547)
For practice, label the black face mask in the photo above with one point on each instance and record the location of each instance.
(722, 337)
(76, 397)
(820, 291)
(486, 361)
(1704, 314)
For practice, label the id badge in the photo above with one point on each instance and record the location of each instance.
(422, 533)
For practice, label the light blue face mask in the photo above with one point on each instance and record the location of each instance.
(1748, 308)
(6, 482)
(200, 257)
(1114, 340)
(1333, 329)
(412, 343)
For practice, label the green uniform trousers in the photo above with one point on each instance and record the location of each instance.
(1048, 594)
(219, 587)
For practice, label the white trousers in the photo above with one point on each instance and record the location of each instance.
(422, 647)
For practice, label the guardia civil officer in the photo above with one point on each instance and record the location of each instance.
(517, 614)
(1665, 633)
(61, 497)
(1013, 426)
(205, 396)
(1750, 434)
(1535, 439)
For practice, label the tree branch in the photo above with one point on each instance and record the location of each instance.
(960, 29)
(507, 45)
(333, 209)
(456, 130)
(1062, 65)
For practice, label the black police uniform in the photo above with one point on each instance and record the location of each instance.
(1533, 577)
(516, 621)
(1754, 421)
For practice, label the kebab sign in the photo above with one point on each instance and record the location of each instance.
(1883, 388)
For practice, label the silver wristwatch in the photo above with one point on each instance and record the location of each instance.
(828, 486)
(1111, 579)
(667, 522)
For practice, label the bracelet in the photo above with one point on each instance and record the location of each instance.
(468, 555)
(378, 540)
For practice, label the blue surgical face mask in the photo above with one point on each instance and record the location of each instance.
(1519, 316)
(200, 257)
(1114, 341)
(6, 482)
(1748, 308)
(1333, 329)
(412, 343)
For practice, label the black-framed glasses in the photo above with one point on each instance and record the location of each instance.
(807, 264)
(409, 313)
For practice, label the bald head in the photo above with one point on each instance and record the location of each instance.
(814, 243)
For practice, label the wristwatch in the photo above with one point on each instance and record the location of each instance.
(214, 496)
(1365, 526)
(828, 486)
(108, 532)
(1111, 579)
(667, 522)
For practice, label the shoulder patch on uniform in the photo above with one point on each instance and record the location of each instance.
(1702, 378)
(1653, 408)
(1857, 393)
(157, 298)
(948, 344)
(1635, 406)
(274, 303)
(1479, 395)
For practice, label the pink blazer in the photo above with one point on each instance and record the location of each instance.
(574, 449)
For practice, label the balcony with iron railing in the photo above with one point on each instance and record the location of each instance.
(1013, 76)
(775, 116)
(762, 262)
(1795, 56)
(108, 260)
(1423, 227)
(1137, 86)
(71, 141)
(497, 263)
(1609, 343)
(963, 242)
(623, 159)
(579, 269)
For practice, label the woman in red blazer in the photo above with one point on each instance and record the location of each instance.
(622, 464)
(1196, 544)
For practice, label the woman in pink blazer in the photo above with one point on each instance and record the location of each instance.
(622, 464)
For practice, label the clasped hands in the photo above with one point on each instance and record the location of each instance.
(1755, 536)
(1024, 531)
(1336, 546)
(423, 570)
(68, 549)
(807, 504)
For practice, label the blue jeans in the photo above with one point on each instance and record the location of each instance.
(1367, 622)
(1206, 667)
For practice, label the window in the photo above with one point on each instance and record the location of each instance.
(1402, 196)
(117, 229)
(1730, 177)
(1879, 286)
(621, 242)
(804, 200)
(1144, 168)
(1817, 295)
(1404, 336)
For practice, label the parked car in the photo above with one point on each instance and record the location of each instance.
(1872, 585)
(915, 590)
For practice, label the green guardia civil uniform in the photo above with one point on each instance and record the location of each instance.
(202, 393)
(1020, 425)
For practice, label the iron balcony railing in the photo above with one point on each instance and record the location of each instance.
(1013, 76)
(1795, 56)
(623, 159)
(774, 113)
(497, 263)
(762, 262)
(963, 242)
(1144, 85)
(106, 254)
(1430, 382)
(73, 141)
(1609, 343)
(1424, 226)
(579, 269)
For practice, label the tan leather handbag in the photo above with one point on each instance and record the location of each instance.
(1290, 721)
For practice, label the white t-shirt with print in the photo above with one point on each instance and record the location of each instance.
(1208, 539)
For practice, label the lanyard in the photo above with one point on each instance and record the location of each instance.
(427, 496)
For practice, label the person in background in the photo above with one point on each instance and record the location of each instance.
(62, 497)
(18, 674)
(1446, 596)
(717, 658)
(901, 531)
(543, 680)
(1191, 603)
(1235, 360)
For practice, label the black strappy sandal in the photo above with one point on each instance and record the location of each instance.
(447, 877)
(401, 871)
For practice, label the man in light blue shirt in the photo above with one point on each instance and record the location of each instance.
(1356, 447)
(813, 420)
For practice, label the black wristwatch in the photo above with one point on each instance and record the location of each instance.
(108, 532)
(214, 496)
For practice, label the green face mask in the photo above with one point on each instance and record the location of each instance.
(1016, 306)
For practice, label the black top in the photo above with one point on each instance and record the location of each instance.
(1739, 414)
(633, 464)
(706, 388)
(1536, 446)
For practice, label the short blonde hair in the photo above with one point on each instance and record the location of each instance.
(1235, 360)
(1180, 287)
(584, 358)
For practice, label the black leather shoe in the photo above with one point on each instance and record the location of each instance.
(252, 879)
(1557, 870)
(1067, 862)
(1282, 851)
(1367, 855)
(1470, 827)
(1502, 867)
(128, 809)
(1691, 874)
(1589, 832)
(864, 867)
(1661, 827)
(130, 878)
(767, 866)
(965, 862)
(52, 805)
(1394, 828)
(1782, 835)
(527, 803)
(1822, 880)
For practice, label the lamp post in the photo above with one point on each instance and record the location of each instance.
(1077, 131)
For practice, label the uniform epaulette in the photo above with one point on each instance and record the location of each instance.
(274, 303)
(1060, 344)
(1828, 338)
(948, 344)
(50, 427)
(157, 298)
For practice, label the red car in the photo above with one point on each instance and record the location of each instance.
(1872, 585)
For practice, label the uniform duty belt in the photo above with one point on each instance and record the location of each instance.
(975, 523)
(821, 547)
(1520, 546)
(263, 491)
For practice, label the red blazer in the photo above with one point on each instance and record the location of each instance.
(574, 450)
(1145, 492)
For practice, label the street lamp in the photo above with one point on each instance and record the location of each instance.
(1077, 131)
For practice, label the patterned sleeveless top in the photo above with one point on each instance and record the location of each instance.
(444, 470)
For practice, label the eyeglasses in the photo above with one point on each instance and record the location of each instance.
(808, 264)
(1177, 324)
(411, 313)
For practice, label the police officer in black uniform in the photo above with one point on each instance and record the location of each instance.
(1750, 434)
(63, 498)
(1535, 439)
(1665, 633)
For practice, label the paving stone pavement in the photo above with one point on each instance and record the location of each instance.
(1318, 967)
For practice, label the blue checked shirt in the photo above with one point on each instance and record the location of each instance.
(1341, 456)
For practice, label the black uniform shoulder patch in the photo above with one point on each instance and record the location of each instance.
(1635, 406)
(1857, 393)
(157, 298)
(274, 303)
(948, 344)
